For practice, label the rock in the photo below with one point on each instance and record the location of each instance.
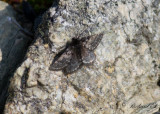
(122, 80)
(13, 45)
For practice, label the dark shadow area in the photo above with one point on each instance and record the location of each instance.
(158, 83)
(10, 62)
(158, 112)
(14, 43)
(13, 46)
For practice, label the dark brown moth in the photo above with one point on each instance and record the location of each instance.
(79, 52)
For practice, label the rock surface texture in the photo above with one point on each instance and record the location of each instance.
(13, 45)
(124, 79)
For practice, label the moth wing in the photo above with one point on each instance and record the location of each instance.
(87, 55)
(62, 61)
(74, 64)
(91, 42)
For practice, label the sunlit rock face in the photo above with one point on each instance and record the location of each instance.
(124, 76)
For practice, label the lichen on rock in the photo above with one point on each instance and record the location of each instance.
(124, 77)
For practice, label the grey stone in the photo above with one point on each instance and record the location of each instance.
(13, 45)
(122, 80)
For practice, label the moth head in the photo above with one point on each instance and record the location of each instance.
(75, 41)
(74, 38)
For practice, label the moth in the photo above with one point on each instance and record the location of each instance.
(79, 52)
